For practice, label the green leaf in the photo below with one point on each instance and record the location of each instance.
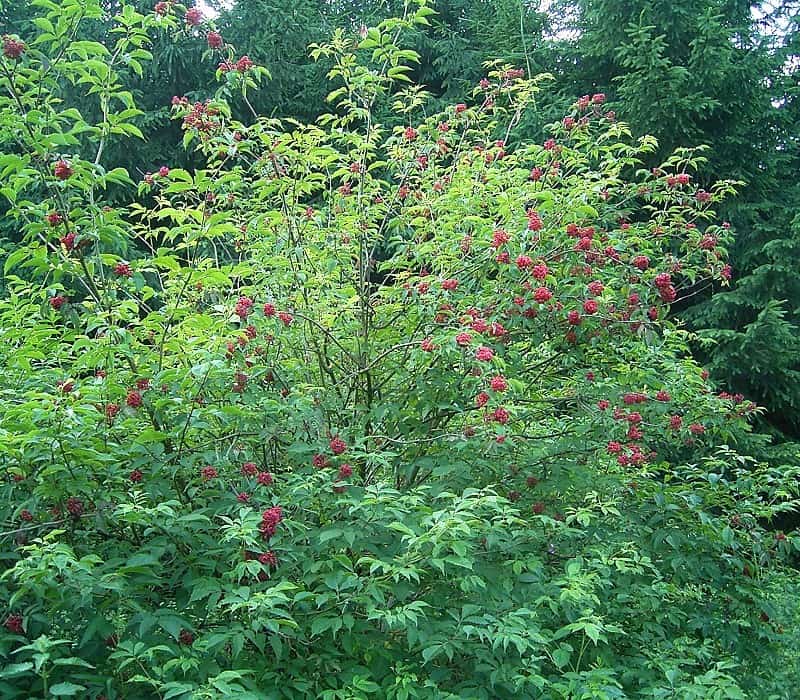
(62, 689)
(10, 670)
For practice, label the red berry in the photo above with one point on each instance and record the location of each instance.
(193, 16)
(62, 170)
(634, 433)
(595, 288)
(523, 261)
(337, 445)
(590, 306)
(708, 242)
(123, 269)
(501, 415)
(480, 325)
(428, 345)
(244, 64)
(484, 354)
(134, 399)
(345, 471)
(496, 330)
(68, 241)
(663, 279)
(498, 383)
(270, 519)
(75, 506)
(13, 624)
(214, 40)
(450, 285)
(243, 307)
(540, 271)
(13, 48)
(57, 302)
(208, 472)
(268, 559)
(668, 294)
(633, 398)
(574, 318)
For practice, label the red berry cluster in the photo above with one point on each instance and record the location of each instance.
(63, 170)
(57, 302)
(13, 48)
(241, 65)
(13, 624)
(193, 16)
(270, 519)
(123, 269)
(243, 307)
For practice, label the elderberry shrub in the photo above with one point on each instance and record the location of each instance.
(363, 411)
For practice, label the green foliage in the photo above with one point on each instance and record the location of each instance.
(355, 409)
(719, 73)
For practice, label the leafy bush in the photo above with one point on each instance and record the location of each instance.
(354, 412)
